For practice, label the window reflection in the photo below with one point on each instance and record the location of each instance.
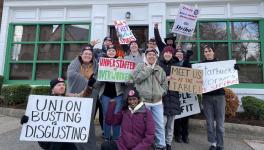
(50, 33)
(71, 51)
(64, 70)
(24, 33)
(47, 71)
(22, 52)
(246, 51)
(244, 30)
(76, 33)
(193, 47)
(213, 31)
(220, 50)
(250, 73)
(20, 72)
(49, 52)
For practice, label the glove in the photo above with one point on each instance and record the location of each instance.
(24, 119)
(91, 81)
(236, 67)
(189, 53)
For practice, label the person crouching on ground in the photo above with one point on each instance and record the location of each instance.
(150, 80)
(137, 124)
(57, 88)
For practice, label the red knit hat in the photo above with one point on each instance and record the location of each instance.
(168, 49)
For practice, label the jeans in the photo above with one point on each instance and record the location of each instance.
(107, 128)
(214, 110)
(157, 113)
(169, 124)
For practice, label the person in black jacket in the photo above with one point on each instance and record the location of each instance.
(181, 125)
(169, 40)
(57, 88)
(171, 102)
(214, 109)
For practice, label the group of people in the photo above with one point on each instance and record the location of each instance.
(138, 115)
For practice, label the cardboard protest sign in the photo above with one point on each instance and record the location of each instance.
(189, 105)
(186, 80)
(125, 36)
(185, 20)
(57, 119)
(217, 74)
(115, 70)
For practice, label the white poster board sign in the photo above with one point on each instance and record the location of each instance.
(185, 20)
(218, 74)
(125, 36)
(115, 70)
(57, 119)
(189, 105)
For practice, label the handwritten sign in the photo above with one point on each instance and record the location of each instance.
(115, 70)
(185, 20)
(57, 118)
(189, 105)
(186, 80)
(125, 35)
(217, 74)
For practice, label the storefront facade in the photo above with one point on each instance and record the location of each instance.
(39, 38)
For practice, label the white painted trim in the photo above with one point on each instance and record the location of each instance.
(3, 37)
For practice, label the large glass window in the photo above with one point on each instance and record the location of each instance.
(37, 53)
(240, 40)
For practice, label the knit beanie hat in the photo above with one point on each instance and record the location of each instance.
(87, 47)
(55, 81)
(132, 92)
(168, 49)
(151, 50)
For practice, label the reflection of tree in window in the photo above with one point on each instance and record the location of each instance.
(213, 31)
(245, 30)
(246, 51)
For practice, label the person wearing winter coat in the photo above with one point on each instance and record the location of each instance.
(168, 41)
(57, 88)
(109, 91)
(134, 53)
(181, 125)
(137, 124)
(171, 102)
(81, 74)
(150, 80)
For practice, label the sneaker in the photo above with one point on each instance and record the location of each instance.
(178, 139)
(212, 147)
(219, 148)
(168, 147)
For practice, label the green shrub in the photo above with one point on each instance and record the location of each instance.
(15, 94)
(253, 107)
(1, 82)
(40, 90)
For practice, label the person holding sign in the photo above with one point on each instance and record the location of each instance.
(169, 40)
(214, 109)
(181, 125)
(109, 91)
(137, 124)
(171, 100)
(57, 88)
(81, 74)
(150, 80)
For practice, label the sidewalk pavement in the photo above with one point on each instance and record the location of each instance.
(10, 133)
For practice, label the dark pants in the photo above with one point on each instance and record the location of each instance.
(109, 146)
(214, 110)
(101, 119)
(181, 127)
